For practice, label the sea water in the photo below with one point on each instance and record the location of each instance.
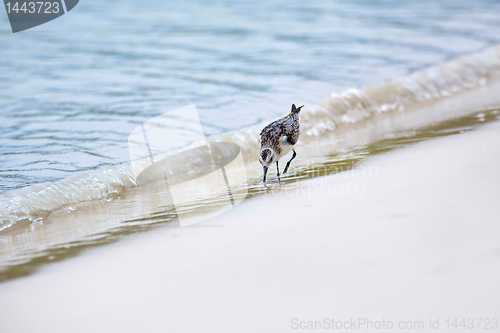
(72, 90)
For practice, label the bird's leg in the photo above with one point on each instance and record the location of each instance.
(265, 172)
(278, 169)
(288, 163)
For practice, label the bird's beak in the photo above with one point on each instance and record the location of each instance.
(265, 172)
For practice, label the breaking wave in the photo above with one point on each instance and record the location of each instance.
(457, 88)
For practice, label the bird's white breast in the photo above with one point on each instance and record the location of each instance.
(286, 147)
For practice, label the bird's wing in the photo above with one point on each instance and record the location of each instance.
(288, 131)
(272, 132)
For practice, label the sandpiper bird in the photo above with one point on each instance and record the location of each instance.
(278, 138)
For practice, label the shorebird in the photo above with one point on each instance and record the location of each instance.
(278, 138)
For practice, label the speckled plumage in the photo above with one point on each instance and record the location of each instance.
(278, 138)
(284, 129)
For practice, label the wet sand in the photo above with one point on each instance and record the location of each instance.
(408, 235)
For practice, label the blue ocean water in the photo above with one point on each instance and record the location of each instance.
(73, 89)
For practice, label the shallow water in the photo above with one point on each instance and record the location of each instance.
(72, 91)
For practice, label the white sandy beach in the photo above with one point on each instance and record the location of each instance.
(407, 236)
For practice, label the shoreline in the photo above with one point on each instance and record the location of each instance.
(457, 88)
(68, 231)
(420, 242)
